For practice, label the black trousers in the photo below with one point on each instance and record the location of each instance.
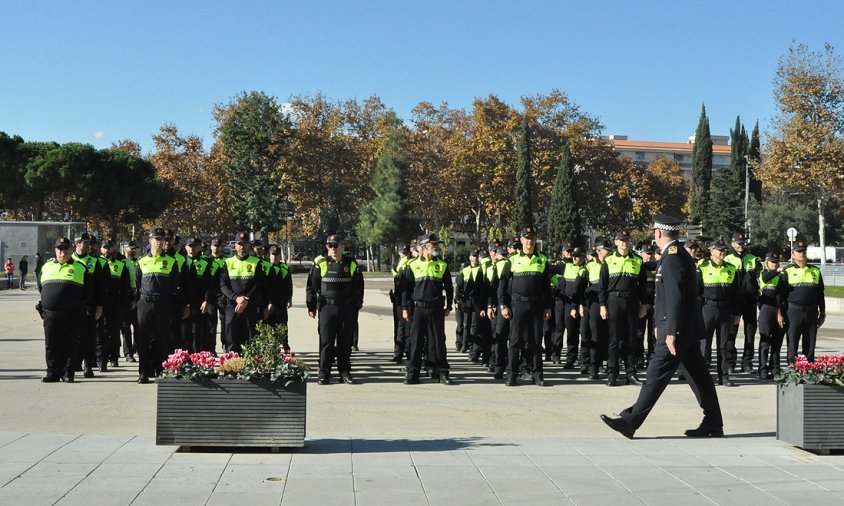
(177, 336)
(770, 340)
(428, 324)
(500, 333)
(750, 319)
(623, 317)
(209, 321)
(660, 370)
(87, 350)
(460, 333)
(585, 339)
(153, 337)
(108, 346)
(557, 326)
(598, 337)
(222, 304)
(646, 334)
(572, 324)
(336, 328)
(398, 348)
(717, 320)
(61, 340)
(480, 337)
(128, 329)
(525, 338)
(802, 326)
(240, 328)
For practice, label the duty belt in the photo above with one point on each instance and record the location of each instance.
(716, 303)
(523, 298)
(334, 302)
(802, 308)
(152, 297)
(428, 304)
(623, 295)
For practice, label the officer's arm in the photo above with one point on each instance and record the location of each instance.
(458, 282)
(737, 298)
(89, 286)
(504, 286)
(287, 288)
(357, 282)
(767, 275)
(492, 292)
(124, 286)
(699, 274)
(548, 291)
(672, 284)
(603, 284)
(207, 292)
(643, 285)
(226, 284)
(785, 290)
(580, 291)
(406, 289)
(258, 286)
(137, 277)
(312, 288)
(821, 301)
(449, 288)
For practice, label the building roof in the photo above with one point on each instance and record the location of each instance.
(683, 147)
(53, 223)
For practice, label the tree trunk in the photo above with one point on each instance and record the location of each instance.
(821, 235)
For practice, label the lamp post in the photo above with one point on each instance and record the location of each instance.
(747, 166)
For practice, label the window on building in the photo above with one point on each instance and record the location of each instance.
(640, 156)
(678, 157)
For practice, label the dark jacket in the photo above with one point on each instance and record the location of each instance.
(676, 310)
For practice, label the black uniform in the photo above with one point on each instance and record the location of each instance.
(770, 332)
(718, 290)
(108, 349)
(241, 277)
(158, 281)
(572, 286)
(471, 284)
(87, 350)
(622, 292)
(748, 268)
(805, 308)
(501, 326)
(676, 313)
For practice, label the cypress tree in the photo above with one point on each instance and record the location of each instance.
(754, 154)
(563, 217)
(727, 202)
(701, 172)
(523, 210)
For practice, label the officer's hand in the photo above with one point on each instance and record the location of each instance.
(582, 311)
(643, 310)
(821, 319)
(405, 314)
(505, 312)
(185, 313)
(98, 313)
(289, 304)
(447, 312)
(482, 312)
(548, 314)
(604, 313)
(270, 309)
(203, 308)
(780, 320)
(669, 342)
(490, 313)
(574, 313)
(312, 314)
(240, 299)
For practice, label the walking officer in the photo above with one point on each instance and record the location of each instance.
(66, 288)
(87, 350)
(771, 320)
(158, 282)
(622, 295)
(335, 289)
(524, 295)
(242, 284)
(748, 268)
(803, 303)
(428, 290)
(718, 284)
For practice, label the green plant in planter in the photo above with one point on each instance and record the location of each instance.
(269, 358)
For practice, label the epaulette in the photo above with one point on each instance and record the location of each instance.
(672, 250)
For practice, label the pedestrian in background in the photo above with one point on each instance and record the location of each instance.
(23, 268)
(9, 267)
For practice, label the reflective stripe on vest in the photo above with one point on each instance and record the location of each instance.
(524, 265)
(323, 270)
(806, 276)
(242, 269)
(116, 268)
(626, 267)
(427, 269)
(718, 275)
(72, 272)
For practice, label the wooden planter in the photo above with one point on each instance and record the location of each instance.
(229, 412)
(811, 416)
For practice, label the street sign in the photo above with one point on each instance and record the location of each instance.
(792, 234)
(694, 231)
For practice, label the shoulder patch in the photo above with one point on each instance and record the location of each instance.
(672, 250)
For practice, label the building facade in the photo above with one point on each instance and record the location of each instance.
(681, 152)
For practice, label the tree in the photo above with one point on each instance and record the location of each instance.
(384, 219)
(805, 151)
(774, 215)
(656, 188)
(754, 155)
(563, 215)
(701, 173)
(253, 131)
(727, 204)
(523, 211)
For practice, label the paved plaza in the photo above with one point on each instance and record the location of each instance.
(381, 442)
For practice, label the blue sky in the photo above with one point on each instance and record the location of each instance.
(100, 71)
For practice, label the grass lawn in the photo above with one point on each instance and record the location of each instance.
(833, 291)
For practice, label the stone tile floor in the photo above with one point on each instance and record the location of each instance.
(89, 469)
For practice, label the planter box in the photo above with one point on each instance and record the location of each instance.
(229, 412)
(811, 416)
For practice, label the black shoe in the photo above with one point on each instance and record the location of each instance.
(411, 380)
(445, 380)
(143, 379)
(131, 358)
(89, 373)
(539, 382)
(728, 382)
(525, 376)
(511, 381)
(633, 380)
(584, 371)
(748, 368)
(347, 379)
(114, 363)
(704, 432)
(355, 348)
(323, 380)
(68, 378)
(768, 375)
(397, 360)
(555, 360)
(568, 365)
(612, 380)
(50, 379)
(104, 367)
(498, 375)
(593, 375)
(619, 425)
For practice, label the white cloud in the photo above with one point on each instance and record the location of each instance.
(100, 134)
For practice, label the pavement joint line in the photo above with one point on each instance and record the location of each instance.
(222, 472)
(689, 485)
(287, 477)
(801, 478)
(352, 463)
(152, 477)
(486, 480)
(92, 470)
(416, 470)
(16, 439)
(42, 458)
(597, 466)
(775, 498)
(545, 474)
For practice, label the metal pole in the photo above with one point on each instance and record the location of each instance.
(746, 190)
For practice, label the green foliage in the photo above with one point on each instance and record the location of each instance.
(523, 210)
(266, 358)
(563, 215)
(726, 214)
(755, 154)
(253, 131)
(701, 172)
(774, 215)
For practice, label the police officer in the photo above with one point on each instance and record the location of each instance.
(282, 288)
(201, 296)
(158, 283)
(130, 316)
(399, 336)
(427, 288)
(242, 284)
(335, 288)
(108, 349)
(524, 294)
(217, 312)
(748, 268)
(598, 332)
(181, 300)
(500, 326)
(66, 289)
(572, 286)
(93, 311)
(718, 285)
(472, 300)
(622, 295)
(678, 327)
(803, 303)
(771, 319)
(646, 323)
(693, 248)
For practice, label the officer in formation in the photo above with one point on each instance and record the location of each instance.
(87, 350)
(400, 350)
(718, 288)
(748, 268)
(241, 283)
(334, 290)
(571, 286)
(802, 303)
(771, 320)
(646, 340)
(115, 304)
(130, 319)
(472, 299)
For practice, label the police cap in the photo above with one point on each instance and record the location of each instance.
(528, 232)
(624, 235)
(94, 240)
(405, 248)
(578, 252)
(484, 253)
(501, 251)
(773, 256)
(168, 234)
(194, 241)
(157, 233)
(241, 237)
(275, 249)
(604, 245)
(62, 243)
(692, 244)
(569, 246)
(84, 236)
(719, 244)
(432, 238)
(473, 253)
(257, 243)
(739, 238)
(334, 239)
(216, 242)
(131, 244)
(515, 243)
(108, 243)
(177, 239)
(669, 223)
(800, 246)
